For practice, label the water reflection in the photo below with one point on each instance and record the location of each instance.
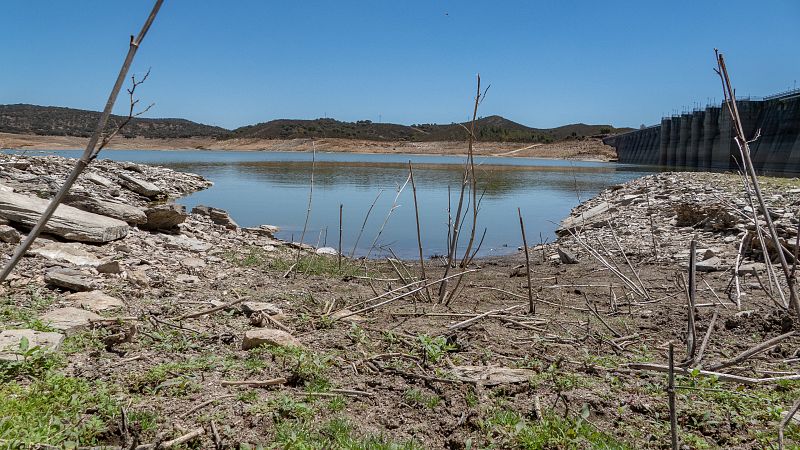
(272, 187)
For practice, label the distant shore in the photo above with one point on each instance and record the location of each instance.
(588, 149)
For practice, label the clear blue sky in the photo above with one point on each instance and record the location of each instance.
(232, 63)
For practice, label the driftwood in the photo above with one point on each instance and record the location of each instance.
(766, 345)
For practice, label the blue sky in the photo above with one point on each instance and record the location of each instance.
(549, 63)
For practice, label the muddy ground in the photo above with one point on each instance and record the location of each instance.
(411, 373)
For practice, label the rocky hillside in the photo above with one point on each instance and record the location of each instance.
(57, 121)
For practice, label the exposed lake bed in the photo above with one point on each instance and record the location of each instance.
(176, 351)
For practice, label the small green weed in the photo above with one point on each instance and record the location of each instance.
(305, 365)
(434, 348)
(318, 265)
(416, 397)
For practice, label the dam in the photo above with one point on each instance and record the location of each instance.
(704, 138)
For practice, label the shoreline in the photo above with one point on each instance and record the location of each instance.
(585, 150)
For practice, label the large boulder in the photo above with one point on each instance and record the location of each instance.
(67, 222)
(164, 217)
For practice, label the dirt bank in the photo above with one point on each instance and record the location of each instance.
(587, 149)
(479, 372)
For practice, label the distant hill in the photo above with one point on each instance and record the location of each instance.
(492, 128)
(57, 121)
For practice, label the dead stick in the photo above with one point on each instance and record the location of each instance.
(673, 415)
(255, 383)
(721, 376)
(341, 206)
(785, 421)
(707, 337)
(531, 304)
(209, 311)
(692, 289)
(419, 234)
(204, 404)
(175, 442)
(766, 345)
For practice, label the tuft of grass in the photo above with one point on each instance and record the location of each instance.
(254, 257)
(321, 265)
(416, 397)
(510, 430)
(305, 366)
(56, 410)
(34, 362)
(171, 379)
(334, 434)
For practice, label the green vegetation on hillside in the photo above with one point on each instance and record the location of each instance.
(56, 121)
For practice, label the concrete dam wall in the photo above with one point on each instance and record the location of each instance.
(704, 139)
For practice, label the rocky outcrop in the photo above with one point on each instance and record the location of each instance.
(218, 216)
(164, 217)
(67, 222)
(121, 211)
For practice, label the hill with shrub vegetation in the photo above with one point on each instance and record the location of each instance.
(58, 121)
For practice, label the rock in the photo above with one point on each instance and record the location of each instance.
(187, 279)
(708, 254)
(737, 319)
(268, 336)
(95, 301)
(66, 251)
(751, 268)
(491, 375)
(712, 264)
(112, 267)
(141, 187)
(72, 280)
(164, 217)
(182, 242)
(193, 264)
(218, 216)
(585, 218)
(4, 188)
(264, 230)
(566, 256)
(127, 213)
(326, 251)
(254, 307)
(67, 222)
(9, 235)
(138, 278)
(69, 319)
(10, 342)
(4, 221)
(97, 179)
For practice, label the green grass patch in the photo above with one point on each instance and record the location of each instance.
(57, 410)
(333, 434)
(416, 397)
(321, 265)
(305, 366)
(509, 429)
(172, 379)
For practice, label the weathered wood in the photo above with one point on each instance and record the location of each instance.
(67, 222)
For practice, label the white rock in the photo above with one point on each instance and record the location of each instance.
(10, 342)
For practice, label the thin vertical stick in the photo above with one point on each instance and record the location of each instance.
(308, 210)
(364, 225)
(673, 417)
(419, 234)
(692, 288)
(451, 256)
(340, 236)
(91, 150)
(785, 421)
(531, 304)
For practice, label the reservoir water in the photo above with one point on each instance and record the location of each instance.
(273, 188)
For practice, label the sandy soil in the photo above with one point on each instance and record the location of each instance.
(588, 149)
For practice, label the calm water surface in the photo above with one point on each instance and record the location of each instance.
(273, 188)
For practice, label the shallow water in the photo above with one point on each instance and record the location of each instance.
(273, 188)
